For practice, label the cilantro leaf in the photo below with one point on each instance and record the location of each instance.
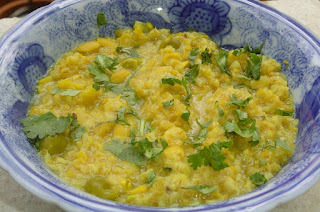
(185, 115)
(127, 93)
(120, 115)
(238, 86)
(201, 137)
(151, 150)
(209, 156)
(99, 74)
(221, 113)
(283, 112)
(101, 20)
(238, 102)
(189, 95)
(55, 90)
(221, 60)
(258, 179)
(246, 132)
(283, 144)
(168, 104)
(262, 162)
(204, 189)
(77, 135)
(170, 81)
(131, 52)
(241, 115)
(243, 77)
(206, 56)
(76, 131)
(104, 61)
(167, 168)
(126, 152)
(144, 127)
(254, 143)
(151, 178)
(247, 48)
(193, 53)
(254, 64)
(39, 126)
(224, 144)
(192, 73)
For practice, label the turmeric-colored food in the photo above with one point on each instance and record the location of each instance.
(159, 119)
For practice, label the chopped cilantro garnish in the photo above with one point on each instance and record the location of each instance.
(238, 86)
(166, 168)
(104, 61)
(201, 137)
(144, 127)
(76, 131)
(192, 73)
(120, 116)
(283, 144)
(221, 113)
(99, 75)
(206, 56)
(127, 93)
(137, 152)
(47, 124)
(243, 77)
(208, 156)
(262, 162)
(258, 179)
(151, 178)
(254, 143)
(101, 20)
(238, 102)
(131, 52)
(221, 60)
(168, 104)
(170, 81)
(252, 131)
(204, 189)
(283, 112)
(224, 144)
(188, 97)
(66, 92)
(254, 64)
(185, 116)
(247, 48)
(193, 53)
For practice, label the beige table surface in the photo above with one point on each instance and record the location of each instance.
(14, 198)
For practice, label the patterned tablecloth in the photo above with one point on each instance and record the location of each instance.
(14, 198)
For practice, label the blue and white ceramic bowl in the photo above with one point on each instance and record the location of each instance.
(28, 49)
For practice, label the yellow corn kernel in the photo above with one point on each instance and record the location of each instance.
(106, 42)
(139, 189)
(88, 46)
(119, 76)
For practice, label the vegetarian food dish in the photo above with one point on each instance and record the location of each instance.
(159, 119)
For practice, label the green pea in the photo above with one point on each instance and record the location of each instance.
(100, 187)
(56, 144)
(131, 63)
(170, 42)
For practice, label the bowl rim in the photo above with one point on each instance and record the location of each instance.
(44, 192)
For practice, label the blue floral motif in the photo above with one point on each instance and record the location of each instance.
(30, 64)
(210, 17)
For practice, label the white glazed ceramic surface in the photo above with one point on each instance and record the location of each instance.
(28, 49)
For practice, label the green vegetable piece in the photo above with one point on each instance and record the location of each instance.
(56, 144)
(127, 93)
(283, 144)
(170, 42)
(246, 132)
(55, 91)
(168, 104)
(241, 114)
(208, 156)
(77, 134)
(247, 48)
(243, 77)
(170, 81)
(151, 150)
(131, 52)
(120, 116)
(201, 137)
(254, 143)
(166, 168)
(104, 61)
(254, 65)
(131, 63)
(101, 20)
(238, 102)
(224, 144)
(100, 75)
(144, 127)
(206, 56)
(283, 112)
(185, 115)
(100, 187)
(189, 95)
(193, 53)
(39, 126)
(192, 73)
(146, 27)
(221, 113)
(238, 86)
(258, 179)
(204, 189)
(69, 92)
(262, 162)
(151, 178)
(221, 60)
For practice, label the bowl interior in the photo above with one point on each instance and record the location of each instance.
(33, 45)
